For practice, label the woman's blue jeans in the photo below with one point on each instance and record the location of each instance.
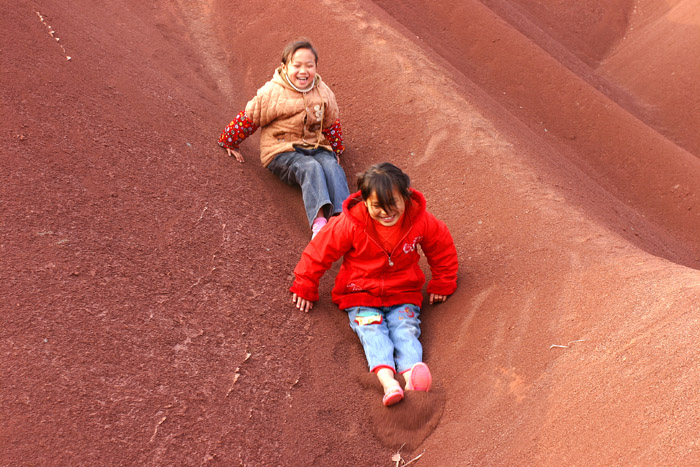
(389, 335)
(322, 180)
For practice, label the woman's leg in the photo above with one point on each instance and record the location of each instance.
(295, 168)
(336, 180)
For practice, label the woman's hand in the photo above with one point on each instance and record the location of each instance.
(235, 153)
(302, 303)
(435, 298)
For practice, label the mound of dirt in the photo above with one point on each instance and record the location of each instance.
(144, 273)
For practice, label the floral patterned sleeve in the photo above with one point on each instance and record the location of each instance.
(235, 132)
(334, 135)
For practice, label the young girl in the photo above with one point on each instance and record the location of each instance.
(380, 282)
(300, 131)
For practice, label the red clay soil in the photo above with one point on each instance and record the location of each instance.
(144, 273)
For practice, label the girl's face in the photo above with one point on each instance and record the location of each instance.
(387, 219)
(301, 68)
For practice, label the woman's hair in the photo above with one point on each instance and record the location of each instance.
(292, 47)
(382, 179)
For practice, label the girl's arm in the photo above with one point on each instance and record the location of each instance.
(331, 243)
(235, 132)
(302, 303)
(439, 249)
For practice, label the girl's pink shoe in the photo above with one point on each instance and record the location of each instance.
(393, 396)
(421, 379)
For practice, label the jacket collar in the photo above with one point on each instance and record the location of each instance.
(281, 78)
(355, 209)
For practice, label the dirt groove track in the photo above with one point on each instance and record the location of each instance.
(143, 273)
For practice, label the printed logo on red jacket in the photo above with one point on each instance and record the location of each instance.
(411, 246)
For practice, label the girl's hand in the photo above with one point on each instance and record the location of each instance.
(235, 153)
(302, 303)
(435, 298)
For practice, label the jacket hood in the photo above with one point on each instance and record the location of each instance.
(280, 77)
(354, 208)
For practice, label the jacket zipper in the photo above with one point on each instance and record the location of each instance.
(391, 263)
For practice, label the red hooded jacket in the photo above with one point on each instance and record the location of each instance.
(371, 276)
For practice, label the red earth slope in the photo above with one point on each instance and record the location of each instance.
(144, 273)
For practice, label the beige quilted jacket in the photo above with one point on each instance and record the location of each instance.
(289, 118)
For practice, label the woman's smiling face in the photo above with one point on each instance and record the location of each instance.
(387, 219)
(301, 68)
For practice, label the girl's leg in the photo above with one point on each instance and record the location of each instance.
(404, 330)
(418, 378)
(392, 389)
(386, 379)
(336, 181)
(295, 168)
(370, 326)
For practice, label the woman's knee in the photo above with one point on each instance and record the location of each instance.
(329, 162)
(308, 167)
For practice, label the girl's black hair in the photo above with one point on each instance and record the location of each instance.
(292, 47)
(382, 179)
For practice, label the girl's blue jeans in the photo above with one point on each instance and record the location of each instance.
(322, 180)
(389, 335)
